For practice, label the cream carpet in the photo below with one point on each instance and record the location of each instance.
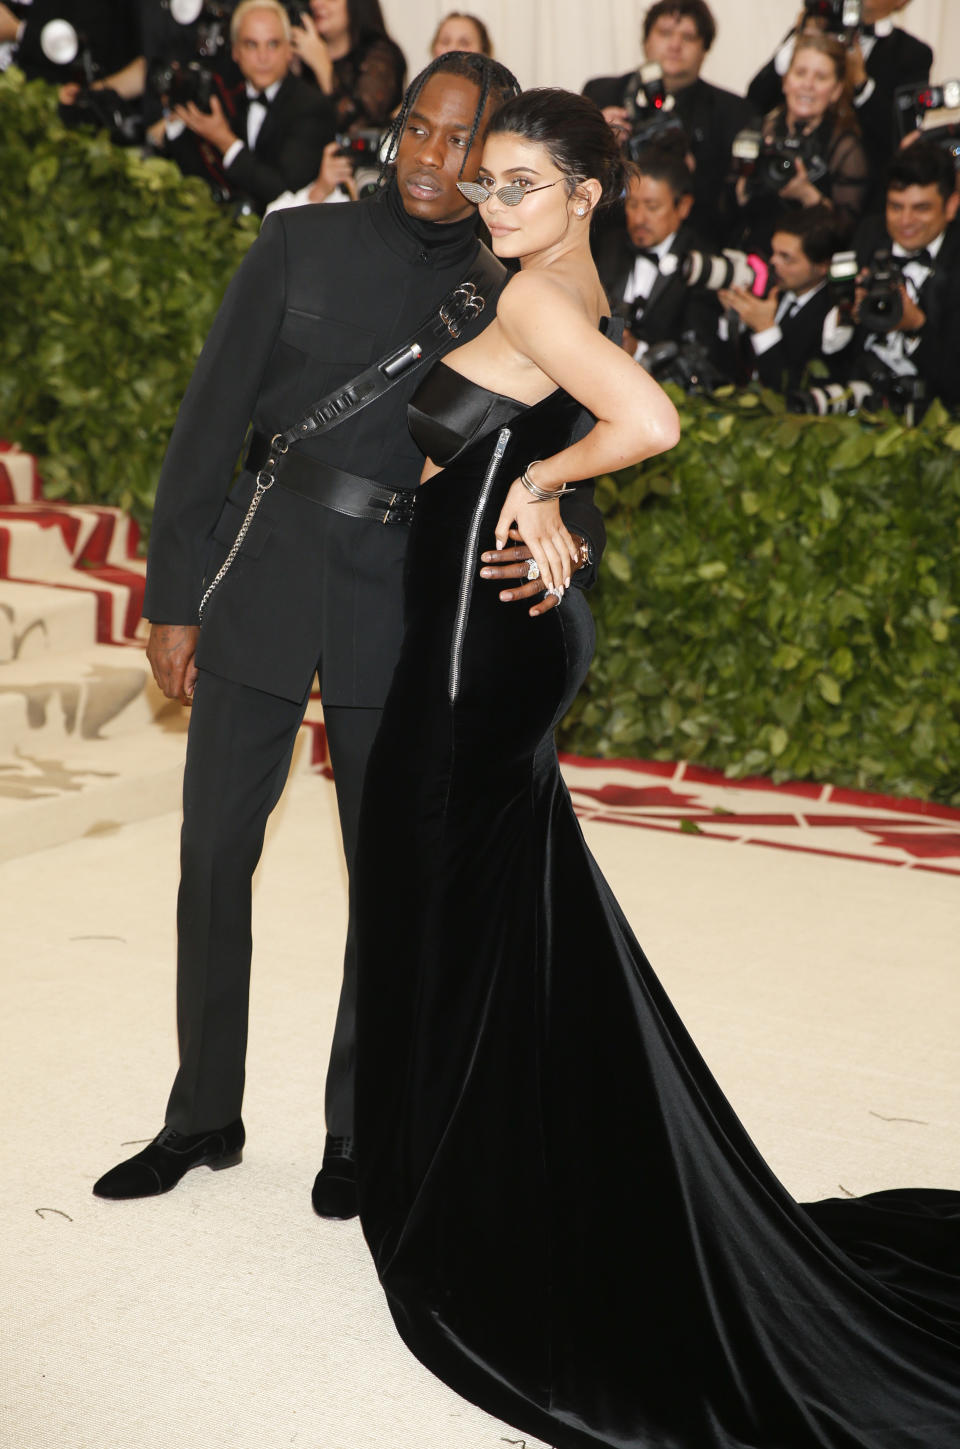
(225, 1315)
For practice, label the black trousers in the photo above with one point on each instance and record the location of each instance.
(238, 755)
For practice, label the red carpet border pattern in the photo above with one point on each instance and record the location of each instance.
(688, 800)
(84, 549)
(90, 553)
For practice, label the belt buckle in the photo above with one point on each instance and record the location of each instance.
(386, 516)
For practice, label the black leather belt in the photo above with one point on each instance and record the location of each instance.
(334, 488)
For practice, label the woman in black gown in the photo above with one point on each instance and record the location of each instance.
(571, 1226)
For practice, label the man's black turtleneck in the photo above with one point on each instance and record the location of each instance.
(440, 241)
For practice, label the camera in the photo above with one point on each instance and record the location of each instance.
(102, 108)
(177, 85)
(212, 19)
(839, 15)
(768, 165)
(878, 387)
(729, 268)
(911, 103)
(650, 113)
(297, 9)
(362, 148)
(882, 307)
(687, 364)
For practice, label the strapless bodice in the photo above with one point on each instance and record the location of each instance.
(448, 411)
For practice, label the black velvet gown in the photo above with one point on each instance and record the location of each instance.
(572, 1227)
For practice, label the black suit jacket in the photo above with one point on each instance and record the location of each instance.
(782, 366)
(289, 146)
(711, 117)
(323, 292)
(897, 59)
(937, 359)
(671, 308)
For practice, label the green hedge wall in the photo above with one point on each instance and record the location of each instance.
(780, 594)
(780, 597)
(111, 269)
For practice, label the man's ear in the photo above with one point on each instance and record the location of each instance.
(952, 205)
(684, 205)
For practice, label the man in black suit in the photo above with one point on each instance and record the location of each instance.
(324, 293)
(283, 124)
(677, 35)
(921, 231)
(798, 321)
(643, 288)
(882, 57)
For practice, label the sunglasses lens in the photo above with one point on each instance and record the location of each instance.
(473, 192)
(511, 195)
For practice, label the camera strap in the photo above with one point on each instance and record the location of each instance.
(443, 325)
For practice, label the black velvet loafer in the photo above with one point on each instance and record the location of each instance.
(160, 1166)
(335, 1189)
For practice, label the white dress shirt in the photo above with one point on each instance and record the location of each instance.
(641, 281)
(256, 115)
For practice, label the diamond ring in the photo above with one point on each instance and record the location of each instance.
(533, 570)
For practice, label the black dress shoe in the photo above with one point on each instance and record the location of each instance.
(335, 1189)
(160, 1166)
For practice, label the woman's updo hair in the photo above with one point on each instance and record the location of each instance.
(572, 130)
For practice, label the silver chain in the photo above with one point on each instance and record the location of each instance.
(265, 481)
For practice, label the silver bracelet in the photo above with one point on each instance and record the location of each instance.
(542, 495)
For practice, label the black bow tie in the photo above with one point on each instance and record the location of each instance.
(922, 258)
(261, 98)
(648, 252)
(867, 29)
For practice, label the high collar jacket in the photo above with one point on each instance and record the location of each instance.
(323, 292)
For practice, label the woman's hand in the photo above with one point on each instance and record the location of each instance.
(543, 531)
(800, 187)
(313, 50)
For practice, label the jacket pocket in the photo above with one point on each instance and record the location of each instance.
(324, 337)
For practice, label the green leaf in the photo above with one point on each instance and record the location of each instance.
(829, 688)
(715, 569)
(618, 564)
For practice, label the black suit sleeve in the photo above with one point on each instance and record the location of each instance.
(765, 91)
(210, 429)
(294, 155)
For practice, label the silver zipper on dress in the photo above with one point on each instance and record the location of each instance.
(467, 577)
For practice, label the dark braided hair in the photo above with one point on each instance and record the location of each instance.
(491, 78)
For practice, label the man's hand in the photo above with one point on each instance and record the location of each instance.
(856, 65)
(913, 318)
(335, 170)
(170, 651)
(758, 313)
(513, 563)
(616, 119)
(214, 127)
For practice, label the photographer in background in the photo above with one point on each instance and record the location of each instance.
(880, 58)
(811, 153)
(910, 325)
(676, 36)
(656, 304)
(106, 30)
(796, 322)
(283, 124)
(344, 47)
